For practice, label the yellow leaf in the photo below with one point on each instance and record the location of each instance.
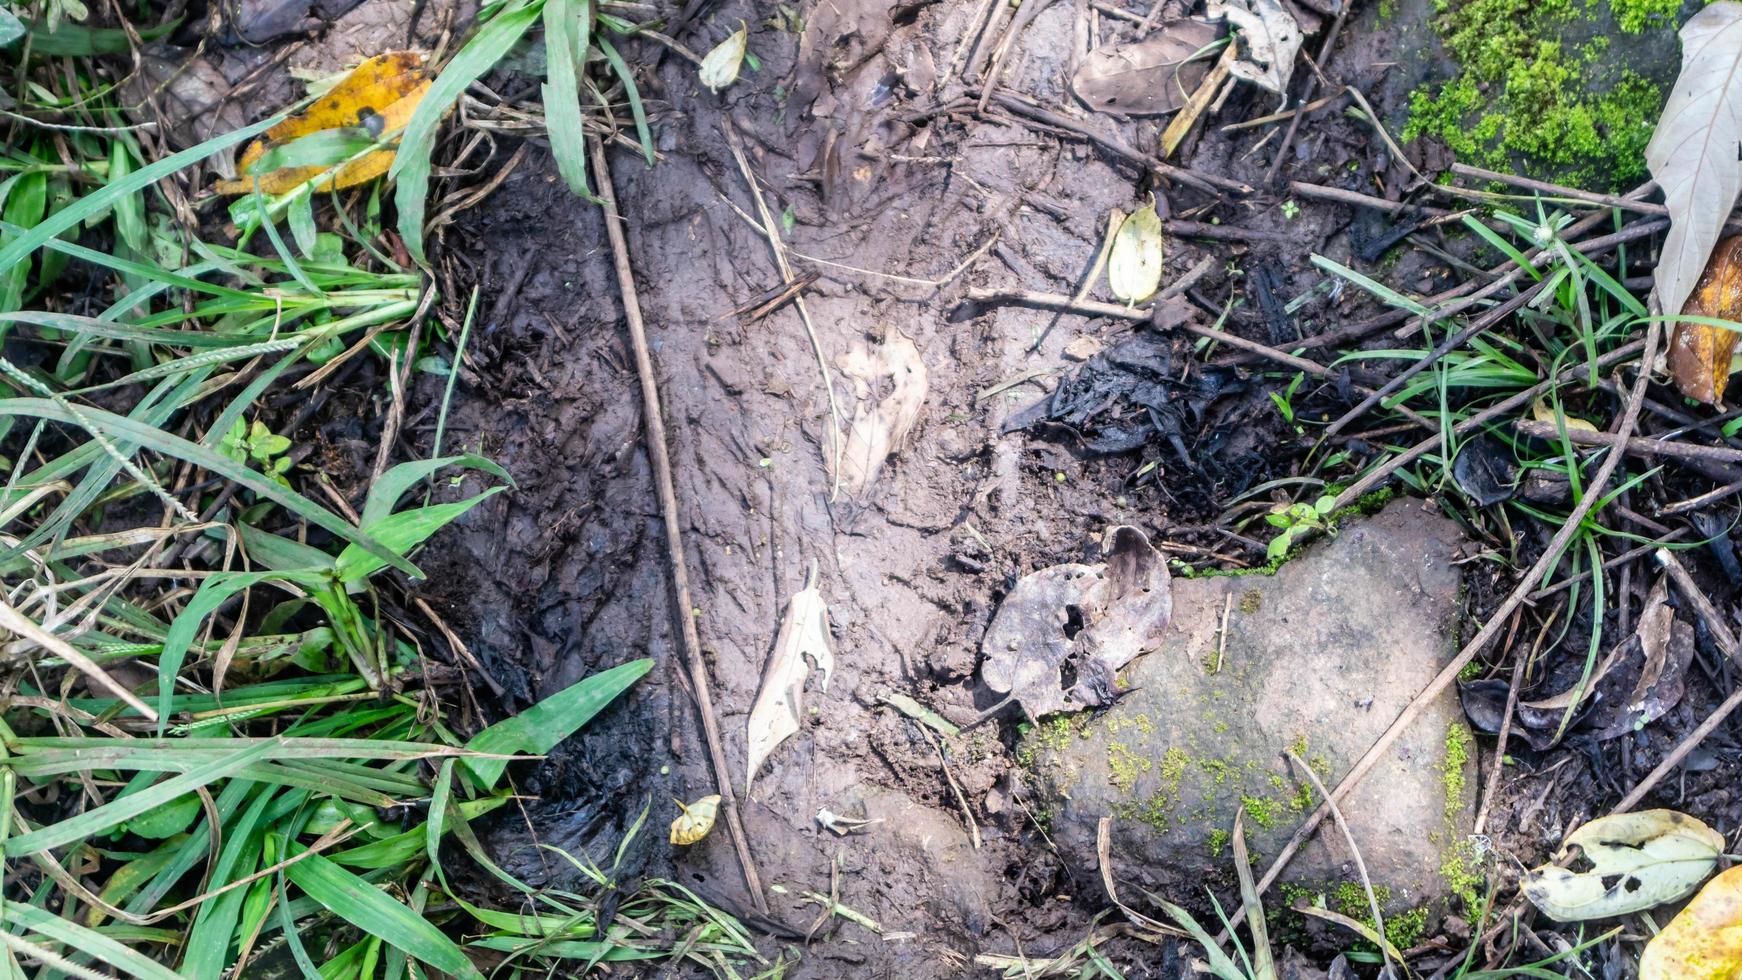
(1699, 354)
(1134, 264)
(1634, 861)
(1703, 942)
(379, 96)
(1543, 412)
(695, 821)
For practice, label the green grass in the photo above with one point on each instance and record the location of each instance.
(219, 748)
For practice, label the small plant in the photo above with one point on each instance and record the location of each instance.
(1284, 401)
(256, 443)
(1290, 210)
(1299, 521)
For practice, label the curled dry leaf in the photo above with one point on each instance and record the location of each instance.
(1704, 940)
(803, 633)
(1635, 861)
(1096, 618)
(1270, 40)
(376, 98)
(1692, 153)
(1150, 77)
(720, 66)
(889, 386)
(1699, 353)
(1134, 264)
(695, 821)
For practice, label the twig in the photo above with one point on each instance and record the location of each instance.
(1493, 784)
(19, 625)
(961, 800)
(1557, 190)
(1550, 556)
(656, 450)
(1359, 200)
(1312, 85)
(736, 144)
(1636, 445)
(1182, 122)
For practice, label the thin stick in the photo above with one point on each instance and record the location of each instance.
(1493, 785)
(1636, 445)
(680, 576)
(18, 624)
(1550, 556)
(736, 144)
(1557, 190)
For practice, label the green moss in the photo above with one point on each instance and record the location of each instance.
(1218, 770)
(1264, 812)
(1457, 754)
(1051, 735)
(1218, 842)
(1173, 769)
(1405, 929)
(1522, 95)
(1124, 766)
(1462, 870)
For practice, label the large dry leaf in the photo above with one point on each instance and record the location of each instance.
(378, 97)
(1093, 619)
(889, 385)
(775, 716)
(1693, 152)
(1704, 940)
(1699, 353)
(1635, 861)
(1148, 77)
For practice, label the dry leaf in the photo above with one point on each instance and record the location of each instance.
(1692, 153)
(1636, 861)
(1096, 617)
(1270, 40)
(1134, 265)
(803, 633)
(720, 66)
(695, 821)
(1704, 940)
(1542, 411)
(379, 97)
(1149, 77)
(1699, 354)
(889, 384)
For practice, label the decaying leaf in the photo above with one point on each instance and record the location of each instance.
(1699, 353)
(1542, 411)
(1094, 619)
(1704, 940)
(721, 65)
(1635, 861)
(889, 386)
(375, 99)
(1270, 40)
(1692, 153)
(1150, 77)
(1134, 265)
(803, 633)
(695, 821)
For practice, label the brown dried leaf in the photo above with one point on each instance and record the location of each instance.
(1149, 77)
(1699, 354)
(775, 716)
(1703, 941)
(1096, 618)
(889, 384)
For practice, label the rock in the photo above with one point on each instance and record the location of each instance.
(1318, 659)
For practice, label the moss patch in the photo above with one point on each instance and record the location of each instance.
(1524, 95)
(1457, 754)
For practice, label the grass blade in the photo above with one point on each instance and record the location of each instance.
(87, 941)
(363, 905)
(539, 728)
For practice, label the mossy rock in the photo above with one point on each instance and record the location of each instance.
(1329, 651)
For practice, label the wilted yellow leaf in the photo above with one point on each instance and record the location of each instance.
(1134, 264)
(695, 821)
(379, 96)
(1699, 354)
(1704, 942)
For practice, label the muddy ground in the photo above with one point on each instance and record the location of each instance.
(865, 134)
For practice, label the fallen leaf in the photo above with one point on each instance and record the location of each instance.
(1668, 645)
(1692, 153)
(695, 821)
(720, 66)
(1094, 618)
(1134, 264)
(1699, 353)
(1150, 77)
(376, 98)
(1542, 411)
(775, 715)
(1486, 469)
(889, 384)
(1704, 940)
(1635, 861)
(1270, 41)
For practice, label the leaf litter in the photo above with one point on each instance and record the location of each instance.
(889, 384)
(1632, 862)
(776, 714)
(1060, 637)
(1150, 77)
